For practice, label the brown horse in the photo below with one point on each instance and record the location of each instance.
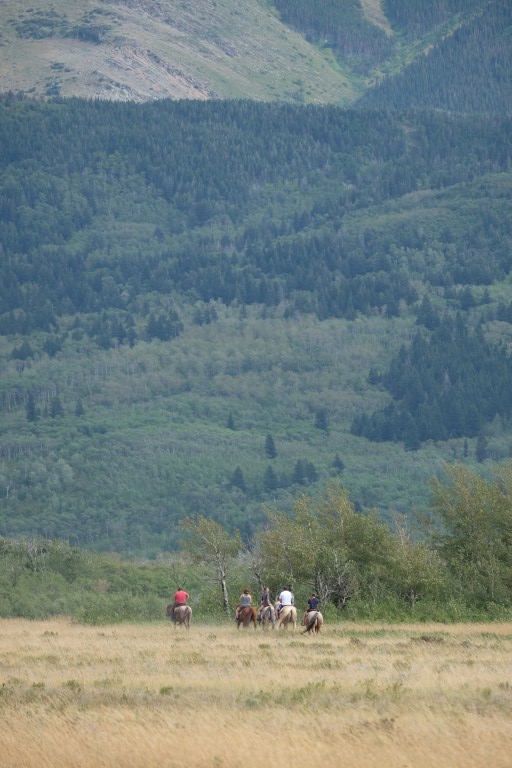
(268, 617)
(313, 622)
(246, 615)
(182, 615)
(287, 616)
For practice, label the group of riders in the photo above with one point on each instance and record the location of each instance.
(285, 598)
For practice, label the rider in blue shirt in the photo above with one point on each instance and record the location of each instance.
(313, 603)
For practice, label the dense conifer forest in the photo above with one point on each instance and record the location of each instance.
(467, 70)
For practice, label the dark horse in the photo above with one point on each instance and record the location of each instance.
(246, 615)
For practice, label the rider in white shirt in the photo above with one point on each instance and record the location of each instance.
(285, 598)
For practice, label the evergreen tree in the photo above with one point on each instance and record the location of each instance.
(31, 411)
(230, 423)
(321, 420)
(298, 476)
(237, 479)
(481, 448)
(56, 408)
(426, 315)
(270, 482)
(304, 472)
(338, 464)
(270, 447)
(410, 435)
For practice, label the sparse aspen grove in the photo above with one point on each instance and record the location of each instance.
(460, 567)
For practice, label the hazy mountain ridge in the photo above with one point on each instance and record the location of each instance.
(390, 52)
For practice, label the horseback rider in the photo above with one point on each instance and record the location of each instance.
(180, 598)
(245, 600)
(285, 598)
(313, 603)
(265, 601)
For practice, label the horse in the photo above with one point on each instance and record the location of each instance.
(313, 623)
(268, 617)
(182, 615)
(287, 615)
(246, 615)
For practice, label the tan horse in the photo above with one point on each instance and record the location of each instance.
(246, 615)
(268, 617)
(182, 615)
(313, 623)
(287, 616)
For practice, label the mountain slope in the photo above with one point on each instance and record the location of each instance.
(467, 69)
(449, 54)
(178, 280)
(153, 49)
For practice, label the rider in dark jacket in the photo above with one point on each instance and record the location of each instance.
(313, 603)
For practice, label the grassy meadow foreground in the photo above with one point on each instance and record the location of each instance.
(362, 695)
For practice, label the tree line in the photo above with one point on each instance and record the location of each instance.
(459, 569)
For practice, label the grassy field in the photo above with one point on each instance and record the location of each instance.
(358, 695)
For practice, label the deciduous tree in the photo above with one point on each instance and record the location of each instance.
(208, 543)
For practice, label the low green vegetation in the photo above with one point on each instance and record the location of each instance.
(361, 568)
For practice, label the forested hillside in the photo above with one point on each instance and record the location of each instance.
(208, 307)
(466, 70)
(443, 54)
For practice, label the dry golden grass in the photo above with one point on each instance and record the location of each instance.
(423, 696)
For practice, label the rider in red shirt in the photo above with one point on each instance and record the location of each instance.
(180, 598)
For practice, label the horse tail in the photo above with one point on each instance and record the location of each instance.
(311, 621)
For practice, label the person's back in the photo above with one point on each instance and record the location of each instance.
(245, 600)
(286, 597)
(180, 597)
(313, 602)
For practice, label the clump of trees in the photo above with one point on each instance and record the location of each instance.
(460, 565)
(362, 568)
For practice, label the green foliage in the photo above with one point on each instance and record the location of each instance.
(41, 578)
(444, 386)
(475, 537)
(345, 555)
(180, 280)
(361, 568)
